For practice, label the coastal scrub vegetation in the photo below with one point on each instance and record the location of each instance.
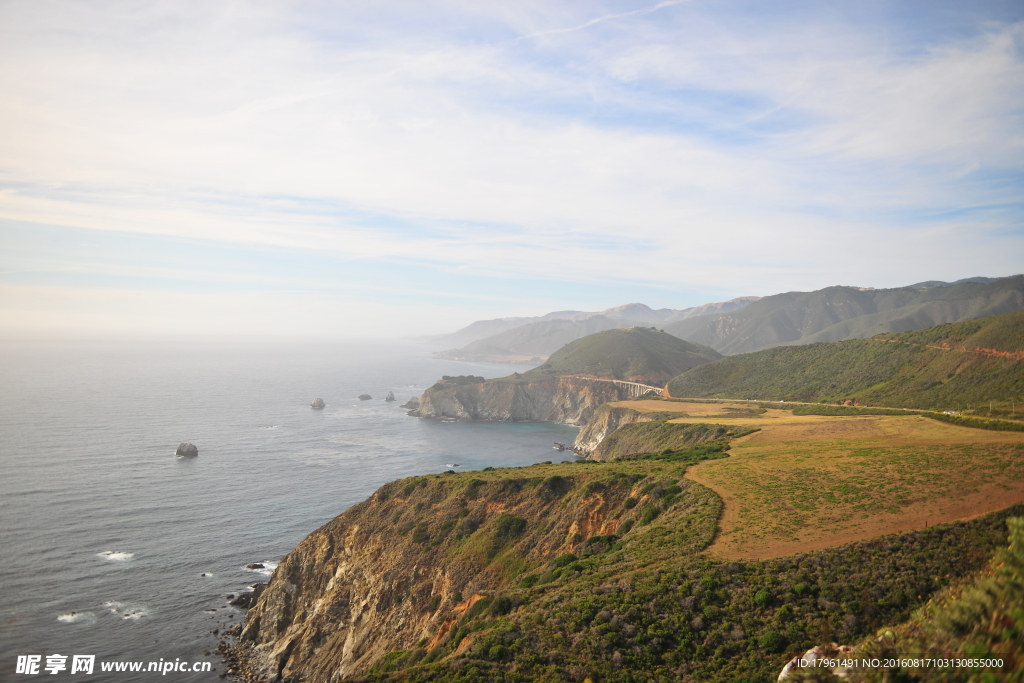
(664, 440)
(569, 573)
(605, 617)
(958, 367)
(459, 380)
(639, 354)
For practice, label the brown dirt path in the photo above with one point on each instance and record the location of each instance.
(804, 483)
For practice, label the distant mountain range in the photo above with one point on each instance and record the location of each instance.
(837, 313)
(750, 323)
(631, 314)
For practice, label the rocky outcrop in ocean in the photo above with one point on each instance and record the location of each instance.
(365, 397)
(390, 396)
(317, 404)
(187, 450)
(565, 400)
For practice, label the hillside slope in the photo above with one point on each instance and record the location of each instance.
(564, 389)
(947, 367)
(638, 354)
(568, 572)
(837, 313)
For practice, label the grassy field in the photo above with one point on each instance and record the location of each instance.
(805, 482)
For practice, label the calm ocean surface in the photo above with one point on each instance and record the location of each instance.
(100, 519)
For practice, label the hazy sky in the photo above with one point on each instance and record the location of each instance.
(378, 168)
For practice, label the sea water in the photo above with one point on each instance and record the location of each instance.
(112, 546)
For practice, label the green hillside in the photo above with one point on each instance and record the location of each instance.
(838, 313)
(640, 354)
(948, 367)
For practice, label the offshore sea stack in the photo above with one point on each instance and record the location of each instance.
(317, 404)
(390, 397)
(187, 449)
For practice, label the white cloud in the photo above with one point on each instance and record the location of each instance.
(673, 148)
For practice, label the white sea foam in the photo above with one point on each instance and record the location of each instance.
(115, 556)
(77, 618)
(270, 427)
(267, 570)
(126, 611)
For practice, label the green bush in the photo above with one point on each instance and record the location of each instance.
(772, 641)
(563, 560)
(651, 511)
(502, 605)
(763, 598)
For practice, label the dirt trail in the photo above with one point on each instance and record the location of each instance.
(806, 482)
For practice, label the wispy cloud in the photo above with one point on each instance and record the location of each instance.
(678, 149)
(603, 19)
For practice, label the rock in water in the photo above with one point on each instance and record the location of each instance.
(413, 403)
(390, 396)
(187, 450)
(365, 397)
(317, 404)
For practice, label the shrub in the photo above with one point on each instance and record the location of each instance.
(651, 511)
(420, 533)
(478, 607)
(556, 485)
(772, 641)
(563, 560)
(762, 598)
(473, 488)
(501, 606)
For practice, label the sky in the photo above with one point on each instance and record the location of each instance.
(381, 169)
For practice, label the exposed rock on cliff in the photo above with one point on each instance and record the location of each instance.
(406, 564)
(604, 421)
(566, 400)
(576, 571)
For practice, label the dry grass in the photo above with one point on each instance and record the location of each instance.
(808, 482)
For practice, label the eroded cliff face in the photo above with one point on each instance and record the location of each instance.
(566, 400)
(604, 421)
(403, 566)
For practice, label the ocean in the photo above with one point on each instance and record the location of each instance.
(114, 547)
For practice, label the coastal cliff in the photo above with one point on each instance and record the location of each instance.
(566, 400)
(572, 572)
(422, 555)
(604, 421)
